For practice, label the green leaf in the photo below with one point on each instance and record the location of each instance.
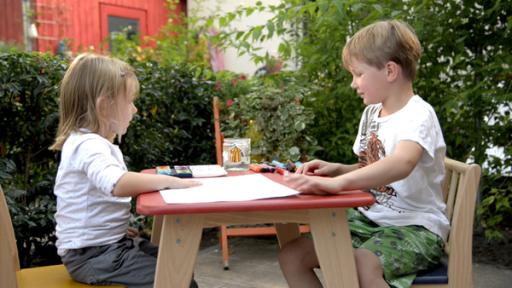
(222, 22)
(256, 33)
(249, 11)
(270, 28)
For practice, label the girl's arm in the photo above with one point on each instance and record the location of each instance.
(133, 183)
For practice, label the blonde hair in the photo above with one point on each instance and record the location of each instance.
(88, 78)
(384, 41)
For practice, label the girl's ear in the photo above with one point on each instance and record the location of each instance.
(101, 106)
(103, 109)
(392, 71)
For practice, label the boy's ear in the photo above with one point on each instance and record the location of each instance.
(392, 70)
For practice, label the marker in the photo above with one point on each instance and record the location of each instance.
(255, 167)
(278, 164)
(282, 171)
(261, 168)
(267, 168)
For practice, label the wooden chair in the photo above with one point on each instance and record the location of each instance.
(11, 276)
(227, 231)
(459, 189)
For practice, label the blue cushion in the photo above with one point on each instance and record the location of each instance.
(436, 275)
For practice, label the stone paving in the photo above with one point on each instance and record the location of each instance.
(253, 264)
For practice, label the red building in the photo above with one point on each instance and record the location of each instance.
(42, 24)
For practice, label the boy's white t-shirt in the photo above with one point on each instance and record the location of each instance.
(87, 212)
(416, 199)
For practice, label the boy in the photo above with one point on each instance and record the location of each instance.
(401, 154)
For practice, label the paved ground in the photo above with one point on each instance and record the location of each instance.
(253, 264)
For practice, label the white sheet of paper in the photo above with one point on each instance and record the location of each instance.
(237, 188)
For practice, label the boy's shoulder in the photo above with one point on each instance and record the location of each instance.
(421, 108)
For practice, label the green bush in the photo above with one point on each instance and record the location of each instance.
(28, 117)
(464, 73)
(269, 110)
(173, 126)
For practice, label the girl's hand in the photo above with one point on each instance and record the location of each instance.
(132, 232)
(313, 184)
(185, 183)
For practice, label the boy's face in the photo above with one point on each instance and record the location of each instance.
(369, 82)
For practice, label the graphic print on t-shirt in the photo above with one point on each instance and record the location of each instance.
(372, 150)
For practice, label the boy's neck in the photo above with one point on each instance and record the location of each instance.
(398, 97)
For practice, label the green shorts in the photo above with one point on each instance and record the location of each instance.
(402, 250)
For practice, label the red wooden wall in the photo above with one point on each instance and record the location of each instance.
(84, 23)
(11, 21)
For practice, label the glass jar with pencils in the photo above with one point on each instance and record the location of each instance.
(236, 154)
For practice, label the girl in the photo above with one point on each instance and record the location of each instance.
(93, 186)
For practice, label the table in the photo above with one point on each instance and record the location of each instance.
(182, 225)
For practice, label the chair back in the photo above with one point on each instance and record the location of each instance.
(460, 187)
(218, 135)
(9, 262)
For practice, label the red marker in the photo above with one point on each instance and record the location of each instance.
(281, 171)
(261, 168)
(255, 167)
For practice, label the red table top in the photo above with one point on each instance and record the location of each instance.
(153, 204)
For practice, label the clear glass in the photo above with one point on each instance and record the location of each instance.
(236, 154)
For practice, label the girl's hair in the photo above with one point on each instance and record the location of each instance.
(384, 41)
(88, 78)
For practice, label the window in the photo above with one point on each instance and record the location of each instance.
(118, 19)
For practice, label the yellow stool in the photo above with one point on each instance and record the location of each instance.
(55, 276)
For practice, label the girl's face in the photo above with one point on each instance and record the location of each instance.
(369, 82)
(126, 110)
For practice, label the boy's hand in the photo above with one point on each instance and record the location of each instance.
(313, 184)
(319, 168)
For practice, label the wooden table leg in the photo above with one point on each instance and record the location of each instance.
(179, 244)
(156, 231)
(286, 232)
(333, 246)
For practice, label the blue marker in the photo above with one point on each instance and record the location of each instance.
(278, 164)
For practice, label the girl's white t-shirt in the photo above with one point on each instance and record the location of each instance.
(416, 199)
(87, 212)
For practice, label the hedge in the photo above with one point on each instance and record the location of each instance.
(174, 125)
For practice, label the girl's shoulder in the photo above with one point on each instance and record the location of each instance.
(84, 135)
(88, 140)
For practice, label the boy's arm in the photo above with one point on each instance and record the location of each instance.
(322, 168)
(390, 169)
(133, 183)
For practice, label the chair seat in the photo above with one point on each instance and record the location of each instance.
(55, 276)
(436, 275)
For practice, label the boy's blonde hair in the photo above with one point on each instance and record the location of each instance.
(88, 78)
(384, 41)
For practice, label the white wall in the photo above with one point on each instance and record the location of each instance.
(233, 62)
